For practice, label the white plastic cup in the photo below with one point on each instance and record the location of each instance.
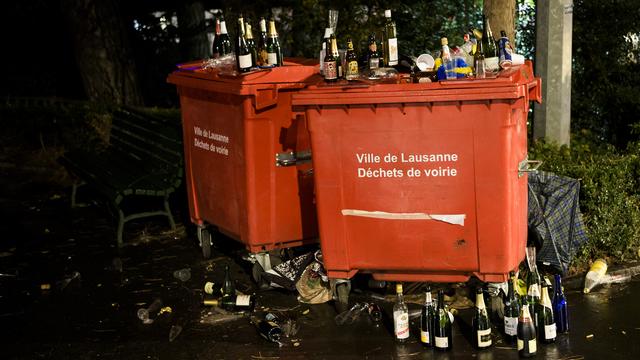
(517, 59)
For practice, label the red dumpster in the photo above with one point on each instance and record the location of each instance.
(422, 182)
(240, 138)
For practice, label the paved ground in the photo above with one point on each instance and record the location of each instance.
(94, 316)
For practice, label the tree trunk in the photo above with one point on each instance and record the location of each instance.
(501, 16)
(193, 31)
(102, 51)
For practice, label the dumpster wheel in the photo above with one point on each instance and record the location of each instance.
(205, 240)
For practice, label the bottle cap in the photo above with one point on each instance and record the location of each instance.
(327, 32)
(398, 288)
(387, 13)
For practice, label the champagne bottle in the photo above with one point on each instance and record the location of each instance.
(400, 317)
(232, 302)
(330, 62)
(251, 43)
(480, 323)
(478, 61)
(243, 55)
(533, 291)
(560, 307)
(352, 72)
(336, 54)
(274, 53)
(228, 287)
(224, 44)
(390, 47)
(442, 331)
(373, 56)
(511, 311)
(262, 43)
(489, 46)
(323, 51)
(546, 322)
(215, 52)
(427, 318)
(527, 344)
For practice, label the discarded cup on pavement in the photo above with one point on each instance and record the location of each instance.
(144, 314)
(182, 274)
(594, 276)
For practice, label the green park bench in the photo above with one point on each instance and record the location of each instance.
(142, 164)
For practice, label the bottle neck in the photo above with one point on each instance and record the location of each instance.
(263, 26)
(334, 51)
(480, 301)
(223, 27)
(544, 298)
(558, 285)
(272, 29)
(249, 32)
(427, 298)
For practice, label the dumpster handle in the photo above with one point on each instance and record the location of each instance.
(527, 166)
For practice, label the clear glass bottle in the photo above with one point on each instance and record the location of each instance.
(400, 317)
(390, 47)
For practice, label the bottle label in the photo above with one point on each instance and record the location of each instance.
(393, 52)
(244, 61)
(424, 337)
(532, 345)
(352, 69)
(243, 300)
(330, 70)
(441, 342)
(511, 326)
(374, 63)
(401, 324)
(340, 70)
(272, 59)
(484, 338)
(550, 331)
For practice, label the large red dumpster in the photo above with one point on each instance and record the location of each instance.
(422, 182)
(240, 136)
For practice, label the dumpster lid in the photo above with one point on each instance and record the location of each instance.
(513, 83)
(295, 70)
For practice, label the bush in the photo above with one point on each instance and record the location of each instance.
(609, 194)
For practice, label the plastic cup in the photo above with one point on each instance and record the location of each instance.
(517, 59)
(425, 62)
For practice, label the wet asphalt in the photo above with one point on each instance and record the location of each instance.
(47, 313)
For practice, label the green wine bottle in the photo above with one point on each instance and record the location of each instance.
(546, 321)
(511, 311)
(390, 45)
(443, 339)
(527, 343)
(427, 318)
(243, 55)
(274, 53)
(480, 323)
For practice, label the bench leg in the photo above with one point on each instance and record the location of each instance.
(169, 215)
(120, 226)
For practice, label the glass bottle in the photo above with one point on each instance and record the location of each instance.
(527, 344)
(560, 307)
(373, 56)
(330, 62)
(427, 320)
(447, 59)
(546, 322)
(237, 302)
(262, 43)
(442, 331)
(390, 47)
(215, 52)
(478, 61)
(352, 72)
(251, 43)
(274, 53)
(400, 317)
(228, 287)
(243, 55)
(533, 286)
(480, 323)
(511, 311)
(489, 46)
(224, 44)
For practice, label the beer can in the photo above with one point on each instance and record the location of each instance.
(504, 52)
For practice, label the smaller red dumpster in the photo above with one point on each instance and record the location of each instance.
(422, 182)
(244, 154)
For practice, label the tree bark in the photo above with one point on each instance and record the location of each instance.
(501, 16)
(102, 51)
(193, 31)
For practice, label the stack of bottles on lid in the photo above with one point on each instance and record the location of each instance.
(253, 48)
(481, 56)
(534, 314)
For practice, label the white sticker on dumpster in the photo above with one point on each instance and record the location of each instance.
(455, 219)
(412, 165)
(206, 139)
